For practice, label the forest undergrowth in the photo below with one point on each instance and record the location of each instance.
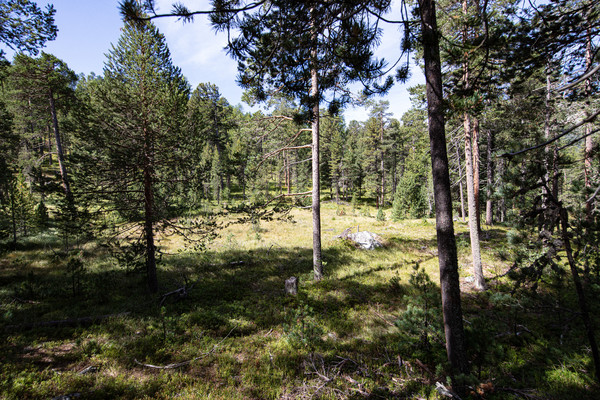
(78, 324)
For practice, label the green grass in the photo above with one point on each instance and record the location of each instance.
(368, 330)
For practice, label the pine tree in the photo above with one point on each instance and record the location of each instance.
(135, 140)
(304, 49)
(41, 88)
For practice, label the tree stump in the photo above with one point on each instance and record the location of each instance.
(291, 286)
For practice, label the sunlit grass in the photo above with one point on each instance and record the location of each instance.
(241, 336)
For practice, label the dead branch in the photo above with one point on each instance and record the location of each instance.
(183, 363)
(383, 318)
(181, 293)
(275, 152)
(287, 195)
(579, 80)
(444, 391)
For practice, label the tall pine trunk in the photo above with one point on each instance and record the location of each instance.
(470, 171)
(446, 242)
(316, 186)
(479, 282)
(476, 182)
(460, 186)
(59, 150)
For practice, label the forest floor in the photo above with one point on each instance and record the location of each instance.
(79, 325)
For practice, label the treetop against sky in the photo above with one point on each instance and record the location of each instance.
(87, 28)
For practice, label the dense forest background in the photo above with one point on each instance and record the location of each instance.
(142, 219)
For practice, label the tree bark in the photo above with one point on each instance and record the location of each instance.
(489, 212)
(479, 282)
(316, 187)
(448, 262)
(476, 184)
(460, 186)
(59, 151)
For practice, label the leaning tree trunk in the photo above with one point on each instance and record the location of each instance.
(449, 282)
(479, 281)
(59, 151)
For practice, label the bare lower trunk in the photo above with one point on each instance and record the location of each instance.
(449, 283)
(476, 184)
(59, 151)
(479, 282)
(316, 189)
(460, 187)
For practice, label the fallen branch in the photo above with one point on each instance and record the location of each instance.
(182, 363)
(384, 319)
(444, 391)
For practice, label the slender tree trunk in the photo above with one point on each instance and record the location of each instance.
(489, 212)
(59, 151)
(449, 282)
(479, 282)
(476, 184)
(288, 173)
(583, 307)
(471, 170)
(316, 189)
(460, 186)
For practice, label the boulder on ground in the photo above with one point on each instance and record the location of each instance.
(365, 240)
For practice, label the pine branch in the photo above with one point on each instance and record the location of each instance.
(591, 118)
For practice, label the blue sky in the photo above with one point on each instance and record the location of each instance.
(88, 27)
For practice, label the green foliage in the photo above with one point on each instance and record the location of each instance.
(301, 328)
(380, 214)
(24, 26)
(409, 201)
(41, 217)
(421, 320)
(76, 270)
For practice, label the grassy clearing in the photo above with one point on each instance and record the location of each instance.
(371, 329)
